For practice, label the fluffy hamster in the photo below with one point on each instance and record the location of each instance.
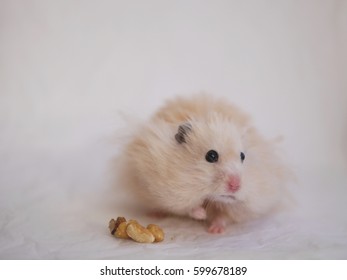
(201, 157)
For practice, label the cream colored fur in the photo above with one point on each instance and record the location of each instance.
(176, 178)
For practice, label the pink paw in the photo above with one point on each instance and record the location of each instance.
(217, 226)
(216, 229)
(198, 213)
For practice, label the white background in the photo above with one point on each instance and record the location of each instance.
(68, 68)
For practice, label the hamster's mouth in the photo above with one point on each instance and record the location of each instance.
(223, 198)
(226, 198)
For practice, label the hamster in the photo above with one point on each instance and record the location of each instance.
(201, 157)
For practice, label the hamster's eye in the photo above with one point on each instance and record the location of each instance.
(211, 156)
(242, 156)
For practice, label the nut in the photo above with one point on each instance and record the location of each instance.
(119, 221)
(157, 232)
(139, 234)
(113, 225)
(118, 227)
(133, 230)
(121, 231)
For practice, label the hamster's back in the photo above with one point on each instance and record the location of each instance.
(198, 106)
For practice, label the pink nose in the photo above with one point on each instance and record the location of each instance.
(234, 183)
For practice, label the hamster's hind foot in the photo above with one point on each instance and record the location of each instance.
(217, 225)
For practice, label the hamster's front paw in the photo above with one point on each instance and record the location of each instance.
(217, 225)
(198, 213)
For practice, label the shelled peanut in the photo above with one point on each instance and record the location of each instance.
(120, 228)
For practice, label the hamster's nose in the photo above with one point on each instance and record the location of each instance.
(234, 183)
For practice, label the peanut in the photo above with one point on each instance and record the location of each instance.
(157, 232)
(121, 231)
(133, 230)
(119, 221)
(139, 234)
(118, 227)
(113, 225)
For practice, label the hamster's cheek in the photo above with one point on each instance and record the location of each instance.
(241, 195)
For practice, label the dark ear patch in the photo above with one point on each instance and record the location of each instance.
(183, 130)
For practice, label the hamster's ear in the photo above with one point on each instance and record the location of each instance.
(183, 130)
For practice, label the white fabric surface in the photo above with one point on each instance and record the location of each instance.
(67, 68)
